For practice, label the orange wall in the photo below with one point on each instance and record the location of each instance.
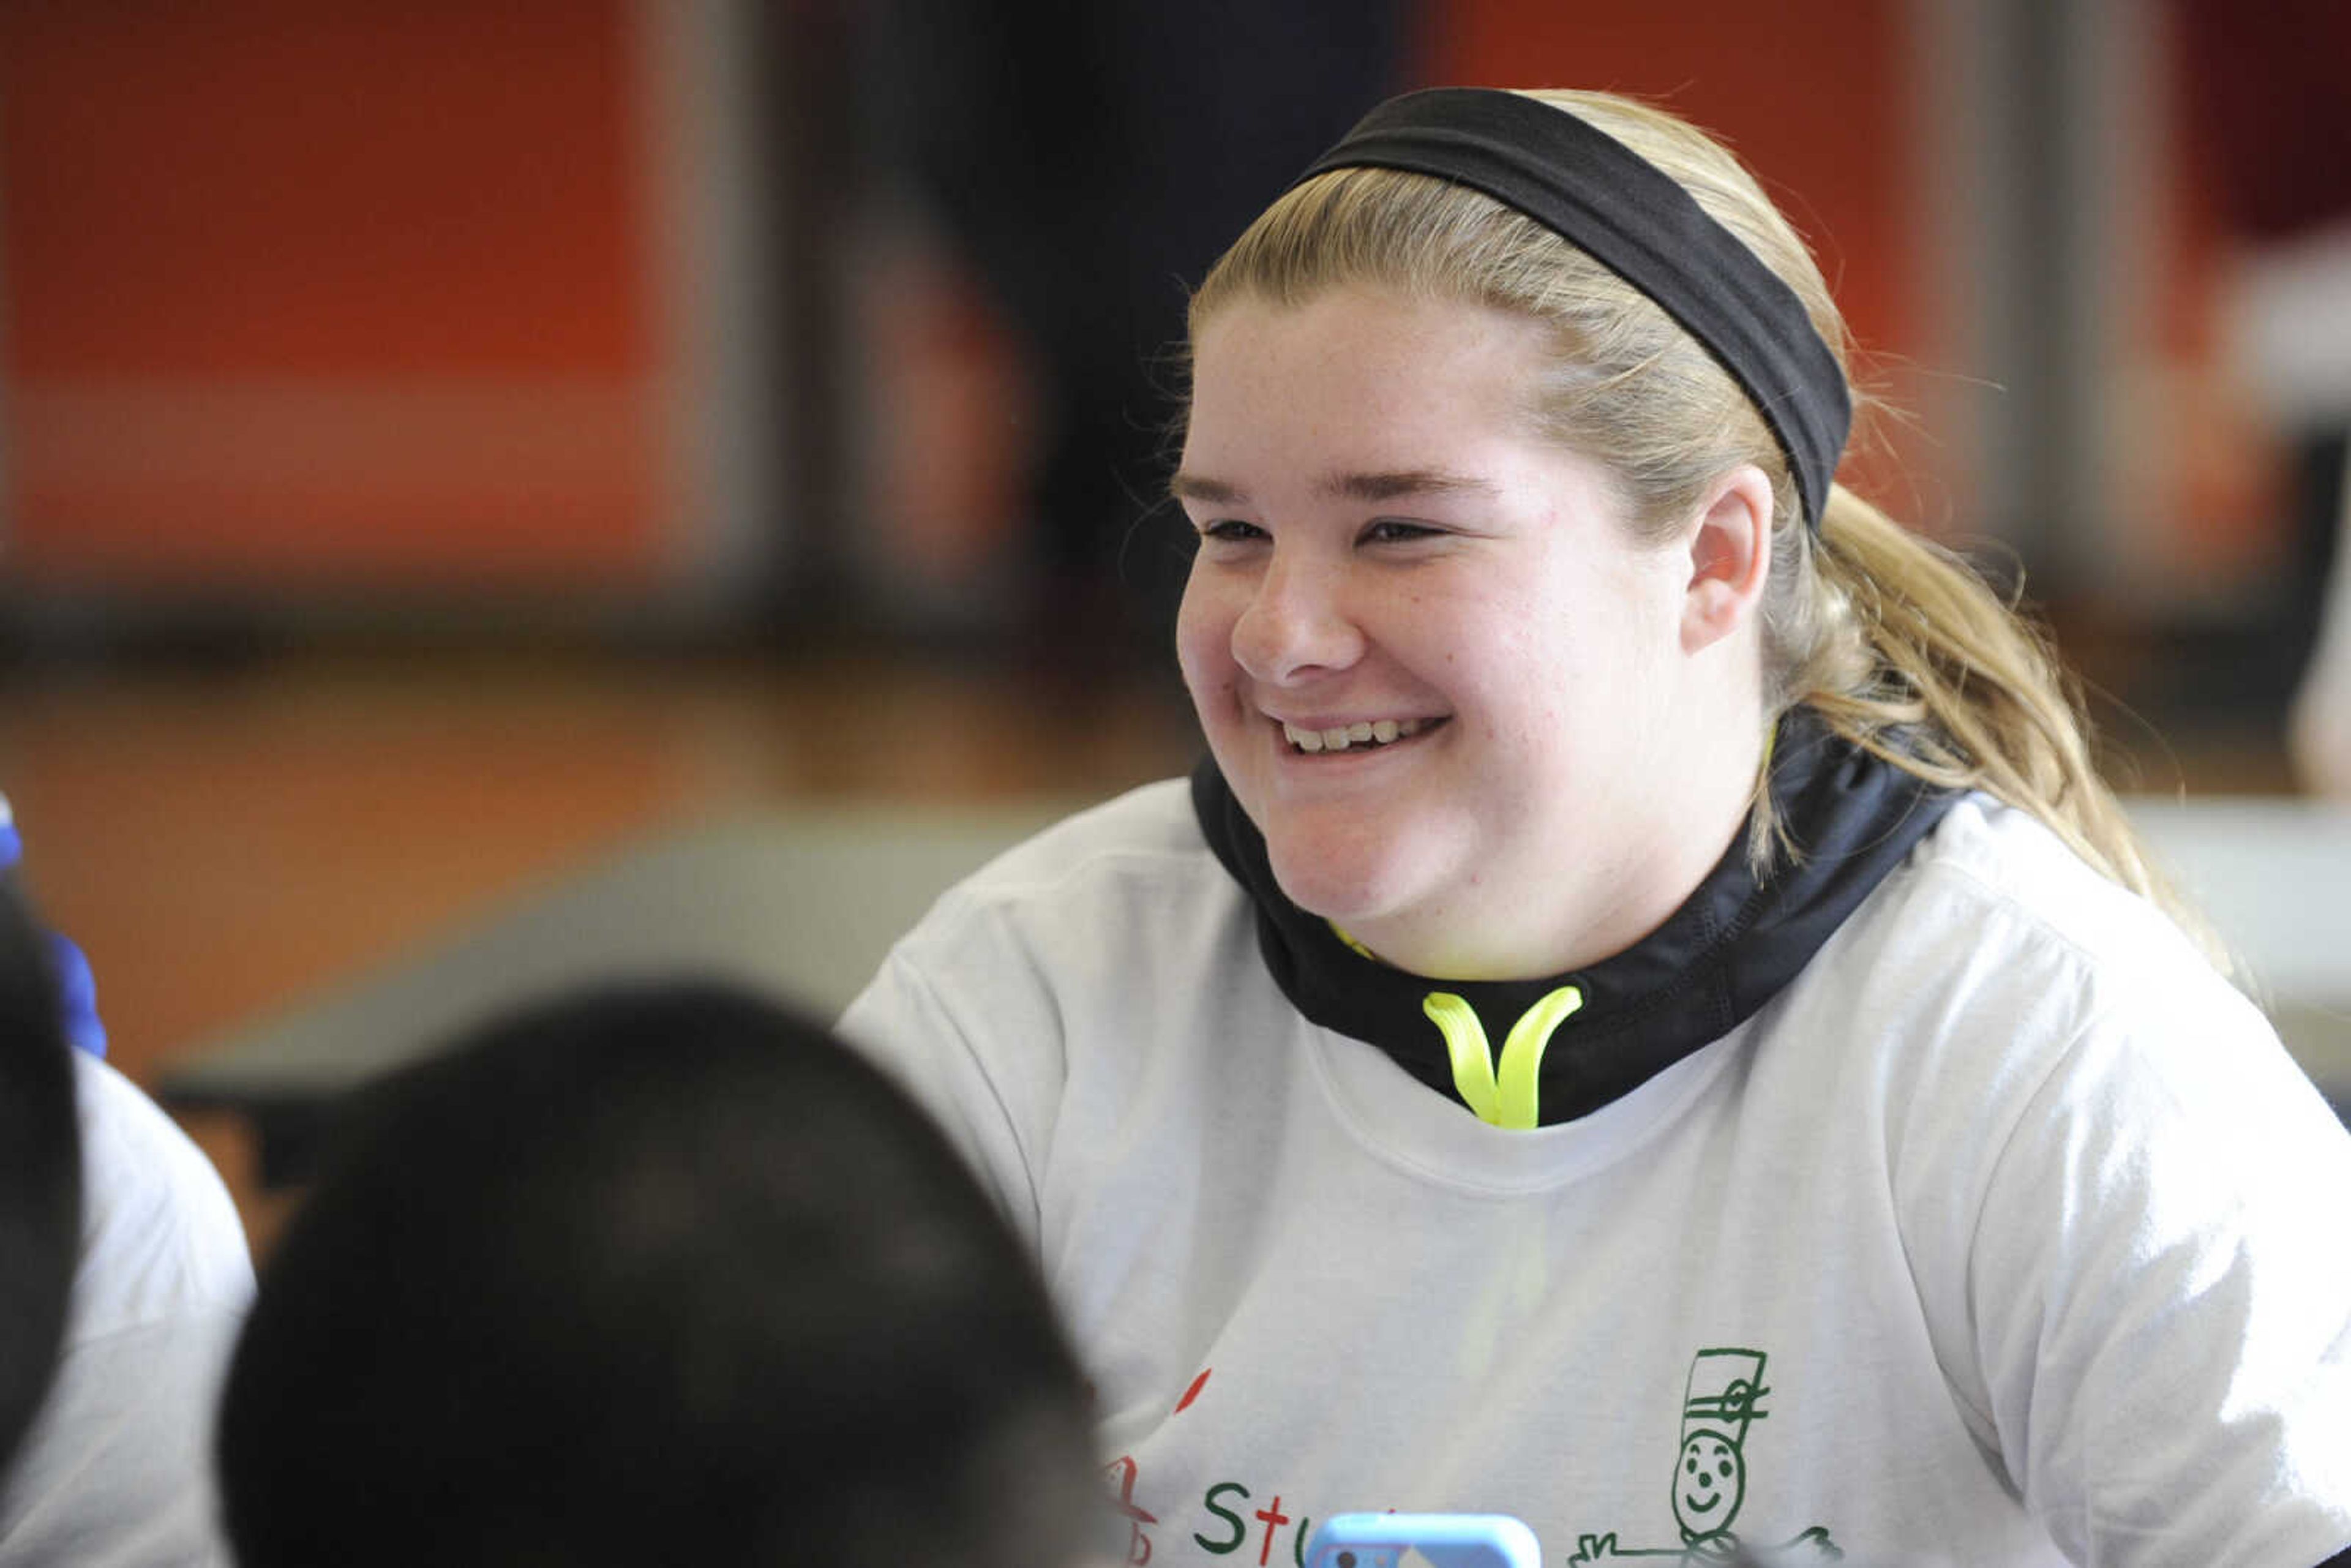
(1809, 93)
(349, 293)
(325, 292)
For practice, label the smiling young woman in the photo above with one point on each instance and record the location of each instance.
(1646, 973)
(1386, 536)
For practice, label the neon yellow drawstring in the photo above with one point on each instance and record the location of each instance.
(1509, 1100)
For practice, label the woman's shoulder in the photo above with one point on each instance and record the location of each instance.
(1148, 831)
(1993, 928)
(1991, 873)
(2011, 997)
(1999, 963)
(1119, 902)
(1128, 870)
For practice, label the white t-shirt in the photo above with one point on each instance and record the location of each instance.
(2007, 1232)
(117, 1467)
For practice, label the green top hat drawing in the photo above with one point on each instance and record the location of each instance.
(1724, 1395)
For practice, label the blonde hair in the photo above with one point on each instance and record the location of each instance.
(1899, 645)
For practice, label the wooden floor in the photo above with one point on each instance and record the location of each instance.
(227, 843)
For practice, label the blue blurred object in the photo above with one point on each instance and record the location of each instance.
(76, 987)
(77, 997)
(1445, 1539)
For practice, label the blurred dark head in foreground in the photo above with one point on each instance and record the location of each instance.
(41, 1173)
(651, 1275)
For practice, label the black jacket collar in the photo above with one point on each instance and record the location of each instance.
(1728, 950)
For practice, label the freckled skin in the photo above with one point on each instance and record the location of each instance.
(1710, 1481)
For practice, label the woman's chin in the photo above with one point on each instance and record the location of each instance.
(1350, 892)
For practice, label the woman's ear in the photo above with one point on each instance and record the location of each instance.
(1730, 554)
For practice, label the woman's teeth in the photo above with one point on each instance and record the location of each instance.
(1376, 733)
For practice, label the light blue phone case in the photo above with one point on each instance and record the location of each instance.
(1445, 1540)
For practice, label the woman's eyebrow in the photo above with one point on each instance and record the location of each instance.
(1210, 492)
(1387, 486)
(1379, 487)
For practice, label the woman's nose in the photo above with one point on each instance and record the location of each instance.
(1296, 624)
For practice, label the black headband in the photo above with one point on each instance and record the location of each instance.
(1638, 222)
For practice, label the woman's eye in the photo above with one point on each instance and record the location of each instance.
(1229, 530)
(1391, 530)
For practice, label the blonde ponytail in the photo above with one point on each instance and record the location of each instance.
(1910, 655)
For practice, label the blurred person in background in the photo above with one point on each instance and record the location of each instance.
(113, 1469)
(1087, 162)
(658, 1274)
(2270, 117)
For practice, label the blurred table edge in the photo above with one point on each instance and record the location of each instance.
(801, 904)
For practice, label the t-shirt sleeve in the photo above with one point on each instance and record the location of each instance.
(963, 1021)
(2160, 1288)
(117, 1467)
